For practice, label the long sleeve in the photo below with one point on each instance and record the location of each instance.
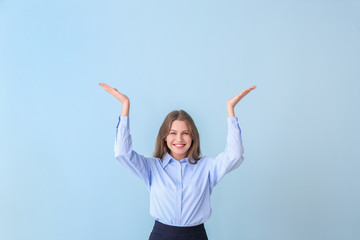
(232, 157)
(137, 163)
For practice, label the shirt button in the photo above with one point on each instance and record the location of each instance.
(177, 221)
(178, 188)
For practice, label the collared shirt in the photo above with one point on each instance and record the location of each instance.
(180, 191)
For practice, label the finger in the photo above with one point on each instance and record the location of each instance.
(246, 91)
(105, 86)
(108, 88)
(243, 93)
(252, 87)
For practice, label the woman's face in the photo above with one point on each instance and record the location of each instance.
(179, 139)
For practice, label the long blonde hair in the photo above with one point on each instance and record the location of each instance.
(161, 147)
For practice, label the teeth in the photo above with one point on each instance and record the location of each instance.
(180, 145)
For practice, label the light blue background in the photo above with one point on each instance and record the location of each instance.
(58, 175)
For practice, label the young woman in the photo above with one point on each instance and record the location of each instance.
(179, 180)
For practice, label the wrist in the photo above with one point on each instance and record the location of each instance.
(230, 111)
(125, 109)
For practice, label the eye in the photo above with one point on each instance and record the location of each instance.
(186, 133)
(173, 133)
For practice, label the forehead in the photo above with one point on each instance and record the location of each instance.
(179, 125)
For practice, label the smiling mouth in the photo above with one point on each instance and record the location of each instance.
(179, 145)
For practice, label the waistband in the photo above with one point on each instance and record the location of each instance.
(163, 226)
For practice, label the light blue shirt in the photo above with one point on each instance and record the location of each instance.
(180, 191)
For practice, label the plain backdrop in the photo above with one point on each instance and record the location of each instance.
(300, 127)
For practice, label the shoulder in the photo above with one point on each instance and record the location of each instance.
(205, 161)
(154, 160)
(155, 163)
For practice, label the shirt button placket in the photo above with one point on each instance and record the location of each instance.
(179, 196)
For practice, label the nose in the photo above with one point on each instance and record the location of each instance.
(179, 137)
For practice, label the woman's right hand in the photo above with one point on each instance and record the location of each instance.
(113, 91)
(119, 96)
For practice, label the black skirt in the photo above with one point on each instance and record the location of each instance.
(166, 232)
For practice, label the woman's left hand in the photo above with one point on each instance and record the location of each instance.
(231, 103)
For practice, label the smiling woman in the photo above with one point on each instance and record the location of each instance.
(179, 141)
(178, 136)
(179, 180)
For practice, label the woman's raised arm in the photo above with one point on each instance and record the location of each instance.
(231, 103)
(137, 163)
(232, 156)
(119, 96)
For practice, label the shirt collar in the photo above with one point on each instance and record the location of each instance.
(167, 158)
